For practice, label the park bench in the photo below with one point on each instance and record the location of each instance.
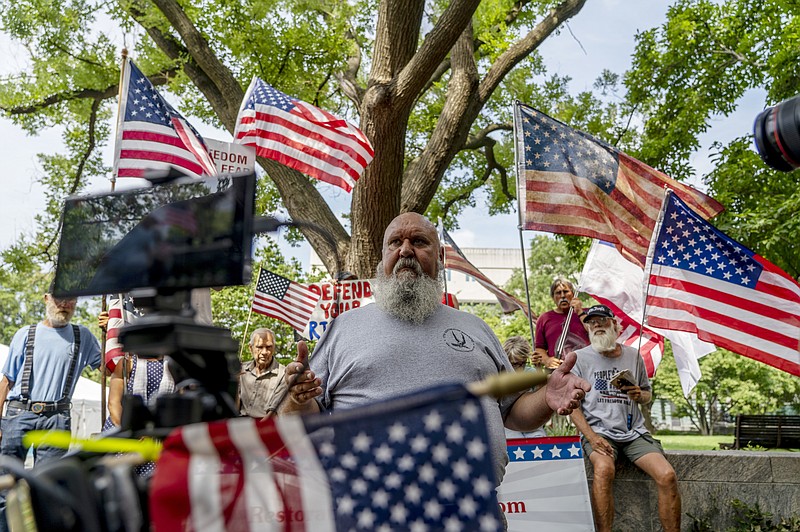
(768, 431)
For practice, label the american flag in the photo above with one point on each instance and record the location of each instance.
(413, 463)
(619, 284)
(705, 282)
(153, 135)
(301, 136)
(120, 312)
(454, 259)
(280, 298)
(571, 183)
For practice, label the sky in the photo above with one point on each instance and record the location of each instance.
(601, 36)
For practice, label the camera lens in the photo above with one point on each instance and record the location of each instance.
(777, 135)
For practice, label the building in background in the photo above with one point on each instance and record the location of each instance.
(498, 264)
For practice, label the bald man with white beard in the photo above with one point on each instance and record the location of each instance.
(408, 341)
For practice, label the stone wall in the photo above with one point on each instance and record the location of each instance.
(708, 482)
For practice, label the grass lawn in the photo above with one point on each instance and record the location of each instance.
(692, 442)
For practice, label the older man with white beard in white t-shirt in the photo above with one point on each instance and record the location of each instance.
(610, 422)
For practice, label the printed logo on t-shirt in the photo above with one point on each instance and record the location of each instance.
(459, 340)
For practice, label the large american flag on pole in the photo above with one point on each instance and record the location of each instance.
(571, 183)
(454, 259)
(619, 284)
(302, 136)
(705, 282)
(280, 298)
(414, 463)
(151, 134)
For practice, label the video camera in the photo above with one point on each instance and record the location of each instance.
(157, 241)
(777, 135)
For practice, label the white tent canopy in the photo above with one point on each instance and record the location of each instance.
(85, 403)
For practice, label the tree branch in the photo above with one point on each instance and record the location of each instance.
(76, 181)
(423, 175)
(511, 16)
(434, 49)
(488, 145)
(200, 51)
(103, 94)
(522, 48)
(348, 79)
(479, 139)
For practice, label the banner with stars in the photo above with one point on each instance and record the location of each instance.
(572, 183)
(704, 282)
(413, 463)
(545, 486)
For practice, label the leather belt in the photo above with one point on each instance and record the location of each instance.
(40, 407)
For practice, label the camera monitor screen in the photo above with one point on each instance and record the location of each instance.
(183, 234)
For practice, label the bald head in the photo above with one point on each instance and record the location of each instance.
(411, 236)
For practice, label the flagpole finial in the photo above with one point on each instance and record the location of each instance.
(124, 53)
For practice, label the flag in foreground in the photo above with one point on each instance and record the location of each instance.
(705, 282)
(571, 183)
(120, 312)
(413, 463)
(618, 283)
(454, 259)
(301, 136)
(280, 298)
(151, 134)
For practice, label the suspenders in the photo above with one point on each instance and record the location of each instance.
(27, 368)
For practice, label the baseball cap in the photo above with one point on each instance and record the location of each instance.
(598, 310)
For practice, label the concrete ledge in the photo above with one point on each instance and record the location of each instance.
(708, 482)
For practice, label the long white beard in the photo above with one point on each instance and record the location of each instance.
(603, 343)
(407, 297)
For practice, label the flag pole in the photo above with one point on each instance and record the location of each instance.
(651, 250)
(440, 230)
(249, 315)
(103, 303)
(520, 211)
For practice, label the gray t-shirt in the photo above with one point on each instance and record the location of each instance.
(605, 407)
(368, 356)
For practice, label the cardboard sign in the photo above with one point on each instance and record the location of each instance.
(231, 158)
(545, 486)
(335, 298)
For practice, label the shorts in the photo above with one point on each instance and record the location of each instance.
(634, 449)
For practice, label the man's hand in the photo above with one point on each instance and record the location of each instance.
(634, 392)
(303, 385)
(551, 362)
(577, 306)
(601, 445)
(102, 320)
(565, 391)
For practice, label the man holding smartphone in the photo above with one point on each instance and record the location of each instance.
(611, 424)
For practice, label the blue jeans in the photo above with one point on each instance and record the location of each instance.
(14, 425)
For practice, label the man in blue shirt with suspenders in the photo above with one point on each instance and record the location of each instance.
(38, 379)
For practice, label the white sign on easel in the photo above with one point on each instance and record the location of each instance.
(545, 486)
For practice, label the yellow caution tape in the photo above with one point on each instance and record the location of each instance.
(148, 448)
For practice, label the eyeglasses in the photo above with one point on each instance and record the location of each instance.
(597, 321)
